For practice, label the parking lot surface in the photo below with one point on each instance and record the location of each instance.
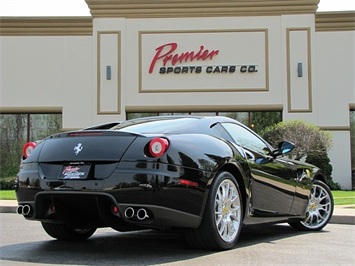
(25, 243)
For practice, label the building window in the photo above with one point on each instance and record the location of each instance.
(16, 130)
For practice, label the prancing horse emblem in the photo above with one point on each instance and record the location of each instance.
(78, 148)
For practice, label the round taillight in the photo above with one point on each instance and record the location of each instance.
(28, 148)
(158, 146)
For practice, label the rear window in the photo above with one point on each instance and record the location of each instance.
(162, 125)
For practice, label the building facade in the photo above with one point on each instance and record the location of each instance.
(174, 56)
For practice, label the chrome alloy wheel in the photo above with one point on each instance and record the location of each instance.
(320, 207)
(227, 210)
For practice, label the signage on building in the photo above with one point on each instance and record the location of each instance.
(203, 61)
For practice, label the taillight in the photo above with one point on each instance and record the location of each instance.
(28, 148)
(158, 146)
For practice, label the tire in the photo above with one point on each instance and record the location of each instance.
(64, 232)
(319, 210)
(222, 219)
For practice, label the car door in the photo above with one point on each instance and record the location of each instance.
(273, 181)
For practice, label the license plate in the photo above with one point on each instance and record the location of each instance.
(75, 171)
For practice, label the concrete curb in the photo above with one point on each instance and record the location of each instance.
(341, 214)
(7, 209)
(342, 219)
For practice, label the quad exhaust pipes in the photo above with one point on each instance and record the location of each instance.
(23, 209)
(131, 213)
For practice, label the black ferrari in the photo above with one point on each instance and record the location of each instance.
(205, 176)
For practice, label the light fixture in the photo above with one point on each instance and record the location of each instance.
(108, 72)
(299, 70)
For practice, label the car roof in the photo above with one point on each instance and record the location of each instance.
(171, 124)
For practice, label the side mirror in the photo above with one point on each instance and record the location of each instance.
(284, 147)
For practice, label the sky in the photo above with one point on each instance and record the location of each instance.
(19, 8)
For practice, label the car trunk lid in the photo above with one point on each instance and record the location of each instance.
(86, 146)
(83, 155)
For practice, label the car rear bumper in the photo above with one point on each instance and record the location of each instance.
(99, 209)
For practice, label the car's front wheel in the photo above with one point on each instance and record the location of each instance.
(319, 210)
(64, 232)
(222, 220)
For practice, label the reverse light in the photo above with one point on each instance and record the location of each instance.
(158, 146)
(28, 148)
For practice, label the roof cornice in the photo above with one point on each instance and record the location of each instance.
(335, 21)
(46, 26)
(198, 8)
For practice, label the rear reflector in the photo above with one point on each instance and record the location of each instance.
(158, 146)
(188, 183)
(114, 209)
(28, 148)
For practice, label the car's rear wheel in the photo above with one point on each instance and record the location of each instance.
(64, 232)
(222, 219)
(319, 210)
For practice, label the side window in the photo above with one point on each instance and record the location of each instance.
(245, 138)
(220, 132)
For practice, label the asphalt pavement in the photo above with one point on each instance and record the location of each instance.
(343, 214)
(25, 243)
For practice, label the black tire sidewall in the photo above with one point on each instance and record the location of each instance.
(63, 232)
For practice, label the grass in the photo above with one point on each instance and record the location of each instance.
(7, 195)
(341, 197)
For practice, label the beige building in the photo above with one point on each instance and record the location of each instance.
(186, 56)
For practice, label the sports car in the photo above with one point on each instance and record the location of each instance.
(204, 176)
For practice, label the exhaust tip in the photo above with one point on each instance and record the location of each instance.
(142, 214)
(136, 213)
(129, 213)
(19, 209)
(24, 209)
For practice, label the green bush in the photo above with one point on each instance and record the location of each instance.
(308, 138)
(7, 183)
(311, 142)
(323, 162)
